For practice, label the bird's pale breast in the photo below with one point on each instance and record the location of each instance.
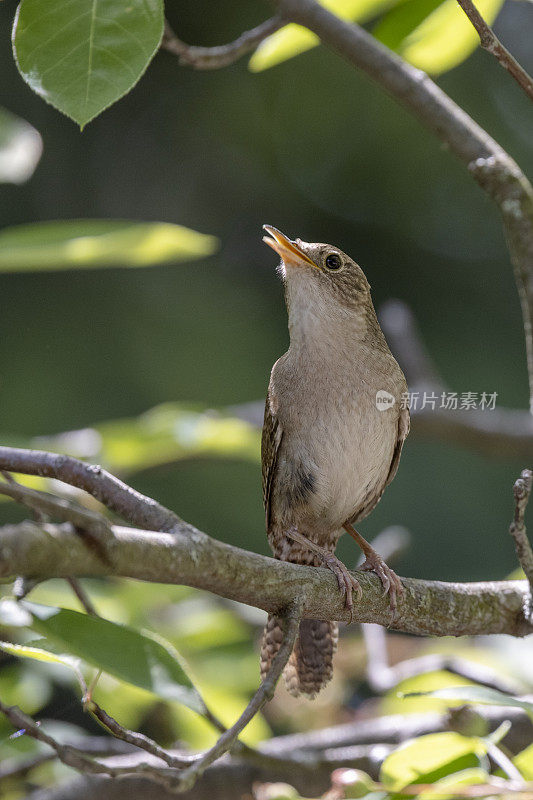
(337, 446)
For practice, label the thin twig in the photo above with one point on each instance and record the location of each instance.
(91, 745)
(517, 529)
(59, 508)
(138, 739)
(109, 490)
(262, 696)
(223, 55)
(67, 754)
(82, 596)
(490, 42)
(195, 766)
(76, 758)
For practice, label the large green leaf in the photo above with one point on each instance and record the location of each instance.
(432, 35)
(166, 433)
(78, 244)
(82, 55)
(478, 694)
(20, 148)
(139, 658)
(430, 758)
(292, 39)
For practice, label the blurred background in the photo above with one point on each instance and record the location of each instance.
(314, 148)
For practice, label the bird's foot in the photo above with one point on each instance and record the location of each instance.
(346, 581)
(392, 584)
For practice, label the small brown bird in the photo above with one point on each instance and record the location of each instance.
(332, 437)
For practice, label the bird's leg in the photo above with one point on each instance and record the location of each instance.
(347, 583)
(392, 585)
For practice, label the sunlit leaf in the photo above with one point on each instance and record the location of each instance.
(136, 657)
(432, 35)
(20, 148)
(479, 694)
(38, 654)
(414, 695)
(449, 788)
(82, 56)
(430, 758)
(79, 244)
(524, 763)
(163, 434)
(292, 39)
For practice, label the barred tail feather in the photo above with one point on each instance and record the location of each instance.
(310, 666)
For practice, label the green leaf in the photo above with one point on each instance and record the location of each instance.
(164, 434)
(478, 694)
(39, 654)
(432, 35)
(139, 658)
(20, 148)
(83, 55)
(292, 39)
(429, 758)
(82, 244)
(446, 789)
(524, 763)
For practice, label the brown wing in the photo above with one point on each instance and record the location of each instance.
(270, 444)
(404, 423)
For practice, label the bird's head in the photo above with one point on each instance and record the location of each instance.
(321, 281)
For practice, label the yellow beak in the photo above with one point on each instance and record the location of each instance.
(288, 250)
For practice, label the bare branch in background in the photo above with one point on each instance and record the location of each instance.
(498, 432)
(517, 529)
(490, 42)
(494, 170)
(304, 759)
(222, 56)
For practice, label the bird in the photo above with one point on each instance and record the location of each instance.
(334, 426)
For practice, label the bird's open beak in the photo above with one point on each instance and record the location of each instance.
(288, 250)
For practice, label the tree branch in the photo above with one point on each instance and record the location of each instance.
(187, 556)
(499, 432)
(109, 490)
(495, 171)
(517, 529)
(490, 42)
(222, 56)
(192, 558)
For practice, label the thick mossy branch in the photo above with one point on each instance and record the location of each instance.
(192, 558)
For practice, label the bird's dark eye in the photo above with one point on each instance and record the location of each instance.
(333, 261)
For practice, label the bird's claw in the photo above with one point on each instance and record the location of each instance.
(391, 583)
(345, 580)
